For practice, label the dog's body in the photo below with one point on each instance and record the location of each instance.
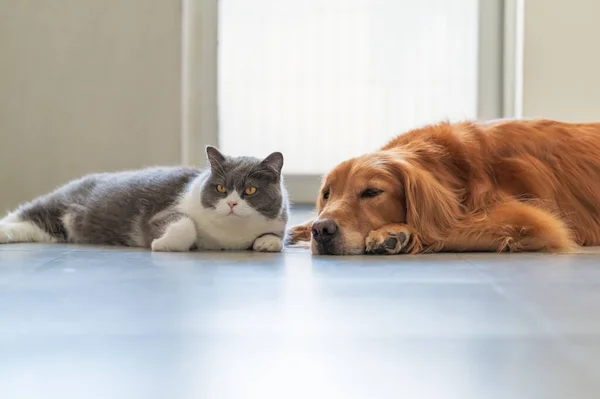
(508, 185)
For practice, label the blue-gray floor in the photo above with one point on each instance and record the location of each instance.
(110, 323)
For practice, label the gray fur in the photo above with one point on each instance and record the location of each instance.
(133, 208)
(237, 173)
(105, 208)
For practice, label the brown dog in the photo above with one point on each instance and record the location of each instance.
(503, 186)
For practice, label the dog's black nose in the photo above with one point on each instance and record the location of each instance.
(323, 230)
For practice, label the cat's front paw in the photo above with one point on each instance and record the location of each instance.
(268, 243)
(163, 245)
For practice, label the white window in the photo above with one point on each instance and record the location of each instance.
(325, 80)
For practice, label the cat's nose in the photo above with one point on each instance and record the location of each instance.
(232, 204)
(323, 230)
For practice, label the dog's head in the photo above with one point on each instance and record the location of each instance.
(366, 193)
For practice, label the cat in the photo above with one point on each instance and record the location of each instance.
(237, 203)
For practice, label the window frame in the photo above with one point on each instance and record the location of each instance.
(496, 93)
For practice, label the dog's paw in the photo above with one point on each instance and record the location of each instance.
(388, 240)
(268, 243)
(299, 234)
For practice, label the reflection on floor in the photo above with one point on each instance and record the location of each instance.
(97, 322)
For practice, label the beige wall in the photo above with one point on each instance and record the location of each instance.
(562, 60)
(86, 85)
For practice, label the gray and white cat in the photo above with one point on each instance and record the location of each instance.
(238, 203)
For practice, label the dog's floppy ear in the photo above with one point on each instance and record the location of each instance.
(432, 209)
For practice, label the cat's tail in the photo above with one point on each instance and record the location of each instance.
(14, 229)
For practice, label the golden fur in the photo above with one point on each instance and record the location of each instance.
(502, 186)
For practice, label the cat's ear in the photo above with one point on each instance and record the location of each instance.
(214, 156)
(274, 161)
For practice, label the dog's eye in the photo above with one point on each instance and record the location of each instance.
(370, 193)
(326, 195)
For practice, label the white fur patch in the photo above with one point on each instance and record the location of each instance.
(268, 243)
(218, 228)
(242, 209)
(13, 230)
(179, 236)
(11, 218)
(67, 221)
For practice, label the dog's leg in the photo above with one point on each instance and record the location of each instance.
(393, 239)
(513, 227)
(300, 233)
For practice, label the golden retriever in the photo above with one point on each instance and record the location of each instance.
(501, 186)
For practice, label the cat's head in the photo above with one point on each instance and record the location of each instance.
(241, 187)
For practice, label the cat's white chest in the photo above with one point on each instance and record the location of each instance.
(218, 229)
(237, 235)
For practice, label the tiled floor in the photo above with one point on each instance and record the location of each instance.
(110, 323)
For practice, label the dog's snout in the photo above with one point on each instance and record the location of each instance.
(324, 230)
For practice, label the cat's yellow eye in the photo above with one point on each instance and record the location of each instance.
(250, 191)
(221, 189)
